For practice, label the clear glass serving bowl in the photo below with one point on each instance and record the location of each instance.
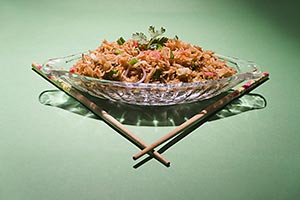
(150, 93)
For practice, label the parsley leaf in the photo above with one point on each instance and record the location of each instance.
(141, 38)
(155, 33)
(155, 42)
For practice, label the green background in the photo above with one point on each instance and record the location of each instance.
(49, 153)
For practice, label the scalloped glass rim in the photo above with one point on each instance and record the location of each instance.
(151, 93)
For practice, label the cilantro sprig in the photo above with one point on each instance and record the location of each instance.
(155, 42)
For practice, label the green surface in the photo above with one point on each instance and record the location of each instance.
(49, 153)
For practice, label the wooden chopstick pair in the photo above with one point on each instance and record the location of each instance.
(100, 113)
(207, 112)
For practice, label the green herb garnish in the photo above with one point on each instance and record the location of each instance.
(133, 61)
(171, 55)
(117, 51)
(155, 33)
(121, 41)
(193, 65)
(155, 42)
(141, 38)
(111, 75)
(113, 72)
(157, 74)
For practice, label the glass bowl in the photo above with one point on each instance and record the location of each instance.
(151, 93)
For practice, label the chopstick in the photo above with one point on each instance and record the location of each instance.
(206, 112)
(100, 113)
